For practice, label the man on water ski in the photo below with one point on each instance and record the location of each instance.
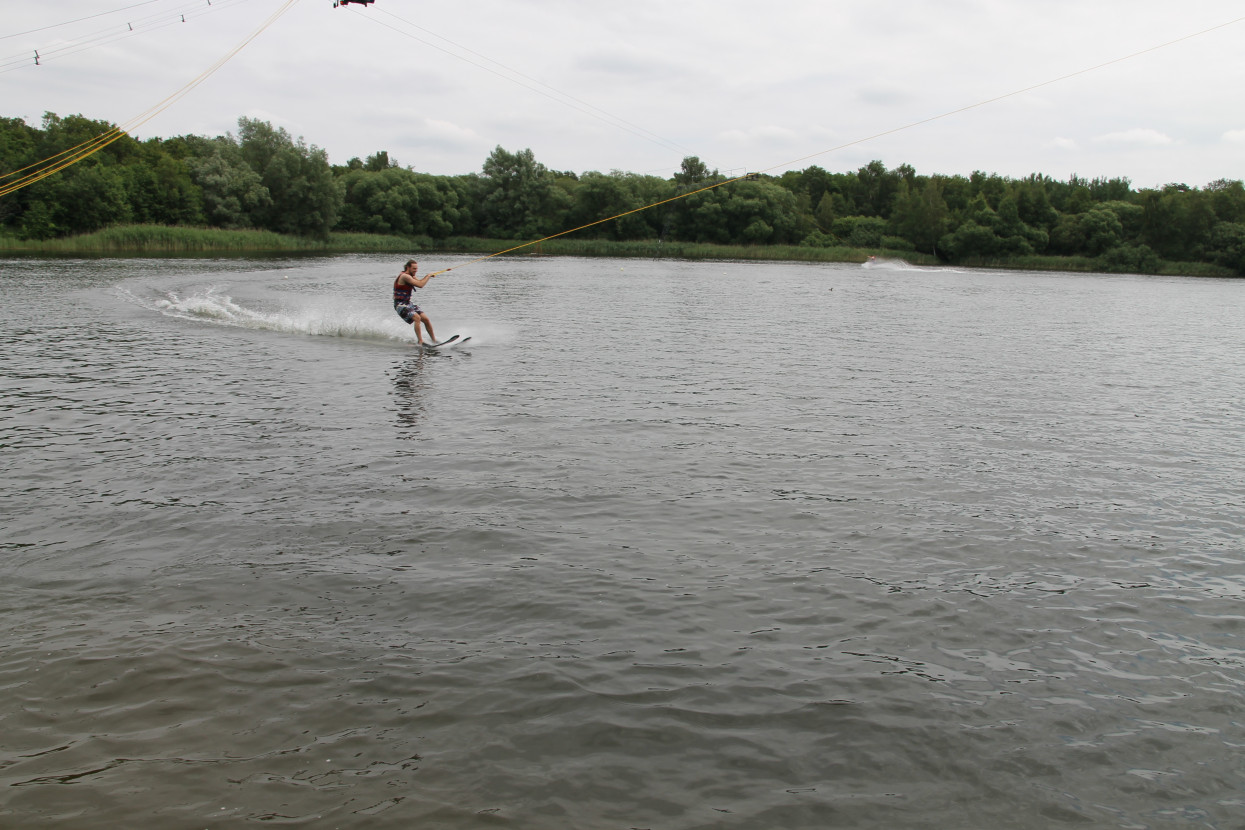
(403, 287)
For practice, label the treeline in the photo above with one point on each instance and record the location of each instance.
(264, 179)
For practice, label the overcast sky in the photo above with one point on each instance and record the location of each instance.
(762, 85)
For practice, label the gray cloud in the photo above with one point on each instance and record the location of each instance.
(636, 87)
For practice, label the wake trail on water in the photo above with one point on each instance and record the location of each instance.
(880, 264)
(212, 305)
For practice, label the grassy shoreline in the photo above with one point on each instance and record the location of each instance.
(160, 240)
(163, 240)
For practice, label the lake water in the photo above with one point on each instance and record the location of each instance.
(666, 545)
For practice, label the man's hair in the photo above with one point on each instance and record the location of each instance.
(409, 263)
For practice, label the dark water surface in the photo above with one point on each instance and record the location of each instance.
(666, 545)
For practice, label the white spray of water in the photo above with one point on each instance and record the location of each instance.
(885, 264)
(332, 317)
(213, 305)
(888, 264)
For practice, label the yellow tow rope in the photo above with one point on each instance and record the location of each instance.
(67, 158)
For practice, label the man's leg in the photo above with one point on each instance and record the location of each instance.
(427, 325)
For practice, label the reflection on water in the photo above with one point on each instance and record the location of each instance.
(409, 389)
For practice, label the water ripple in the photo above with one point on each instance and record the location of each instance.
(946, 549)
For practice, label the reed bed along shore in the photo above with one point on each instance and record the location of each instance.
(655, 249)
(160, 240)
(130, 240)
(154, 240)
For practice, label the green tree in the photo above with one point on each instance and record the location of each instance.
(305, 196)
(740, 213)
(1227, 199)
(703, 219)
(442, 210)
(1033, 203)
(393, 200)
(990, 186)
(385, 201)
(160, 189)
(17, 144)
(816, 182)
(599, 196)
(694, 171)
(518, 199)
(232, 194)
(17, 150)
(1129, 259)
(462, 193)
(875, 189)
(1091, 233)
(921, 217)
(1020, 238)
(1110, 190)
(825, 213)
(957, 191)
(971, 241)
(1074, 197)
(860, 231)
(1177, 222)
(1227, 246)
(89, 194)
(37, 221)
(380, 161)
(87, 197)
(1131, 217)
(989, 234)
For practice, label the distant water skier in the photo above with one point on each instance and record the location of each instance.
(403, 287)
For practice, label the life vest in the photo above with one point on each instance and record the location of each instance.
(402, 293)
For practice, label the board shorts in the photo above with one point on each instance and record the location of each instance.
(409, 313)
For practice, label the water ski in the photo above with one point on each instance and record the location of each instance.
(442, 343)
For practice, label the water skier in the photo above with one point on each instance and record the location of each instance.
(403, 287)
